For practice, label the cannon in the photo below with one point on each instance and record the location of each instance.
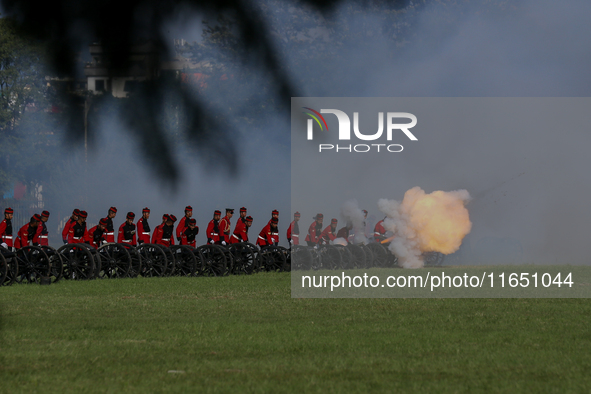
(78, 261)
(9, 266)
(274, 258)
(136, 260)
(154, 262)
(115, 261)
(215, 260)
(246, 258)
(57, 263)
(188, 260)
(81, 261)
(33, 265)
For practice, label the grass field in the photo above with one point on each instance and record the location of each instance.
(246, 334)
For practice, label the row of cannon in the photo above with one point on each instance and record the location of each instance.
(352, 256)
(44, 264)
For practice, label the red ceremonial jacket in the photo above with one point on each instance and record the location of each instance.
(66, 229)
(22, 239)
(157, 237)
(78, 233)
(181, 227)
(212, 233)
(143, 231)
(96, 242)
(379, 231)
(188, 236)
(267, 236)
(121, 236)
(5, 238)
(295, 238)
(42, 234)
(240, 232)
(312, 236)
(225, 227)
(343, 233)
(327, 235)
(110, 232)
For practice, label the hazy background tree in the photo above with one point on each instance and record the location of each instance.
(27, 129)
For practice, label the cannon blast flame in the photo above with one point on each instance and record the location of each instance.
(435, 222)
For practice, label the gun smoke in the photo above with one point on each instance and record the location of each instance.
(352, 214)
(434, 222)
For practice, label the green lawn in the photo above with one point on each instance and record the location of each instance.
(246, 334)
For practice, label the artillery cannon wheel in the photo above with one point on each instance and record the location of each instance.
(245, 259)
(11, 266)
(57, 263)
(186, 261)
(33, 264)
(136, 260)
(382, 257)
(301, 257)
(154, 261)
(358, 256)
(79, 262)
(274, 258)
(3, 268)
(433, 259)
(346, 260)
(214, 260)
(115, 261)
(171, 261)
(330, 258)
(229, 258)
(369, 256)
(256, 255)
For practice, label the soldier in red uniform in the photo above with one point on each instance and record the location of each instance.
(78, 233)
(183, 223)
(127, 230)
(158, 228)
(242, 236)
(226, 226)
(379, 232)
(344, 232)
(189, 233)
(269, 235)
(330, 233)
(6, 228)
(73, 219)
(96, 235)
(28, 233)
(240, 226)
(314, 231)
(293, 231)
(42, 232)
(110, 235)
(213, 228)
(143, 227)
(163, 234)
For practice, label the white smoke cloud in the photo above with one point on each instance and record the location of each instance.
(351, 212)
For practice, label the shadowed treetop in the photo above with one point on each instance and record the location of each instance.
(68, 25)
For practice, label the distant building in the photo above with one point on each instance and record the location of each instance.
(100, 77)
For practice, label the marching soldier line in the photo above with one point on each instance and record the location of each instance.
(218, 230)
